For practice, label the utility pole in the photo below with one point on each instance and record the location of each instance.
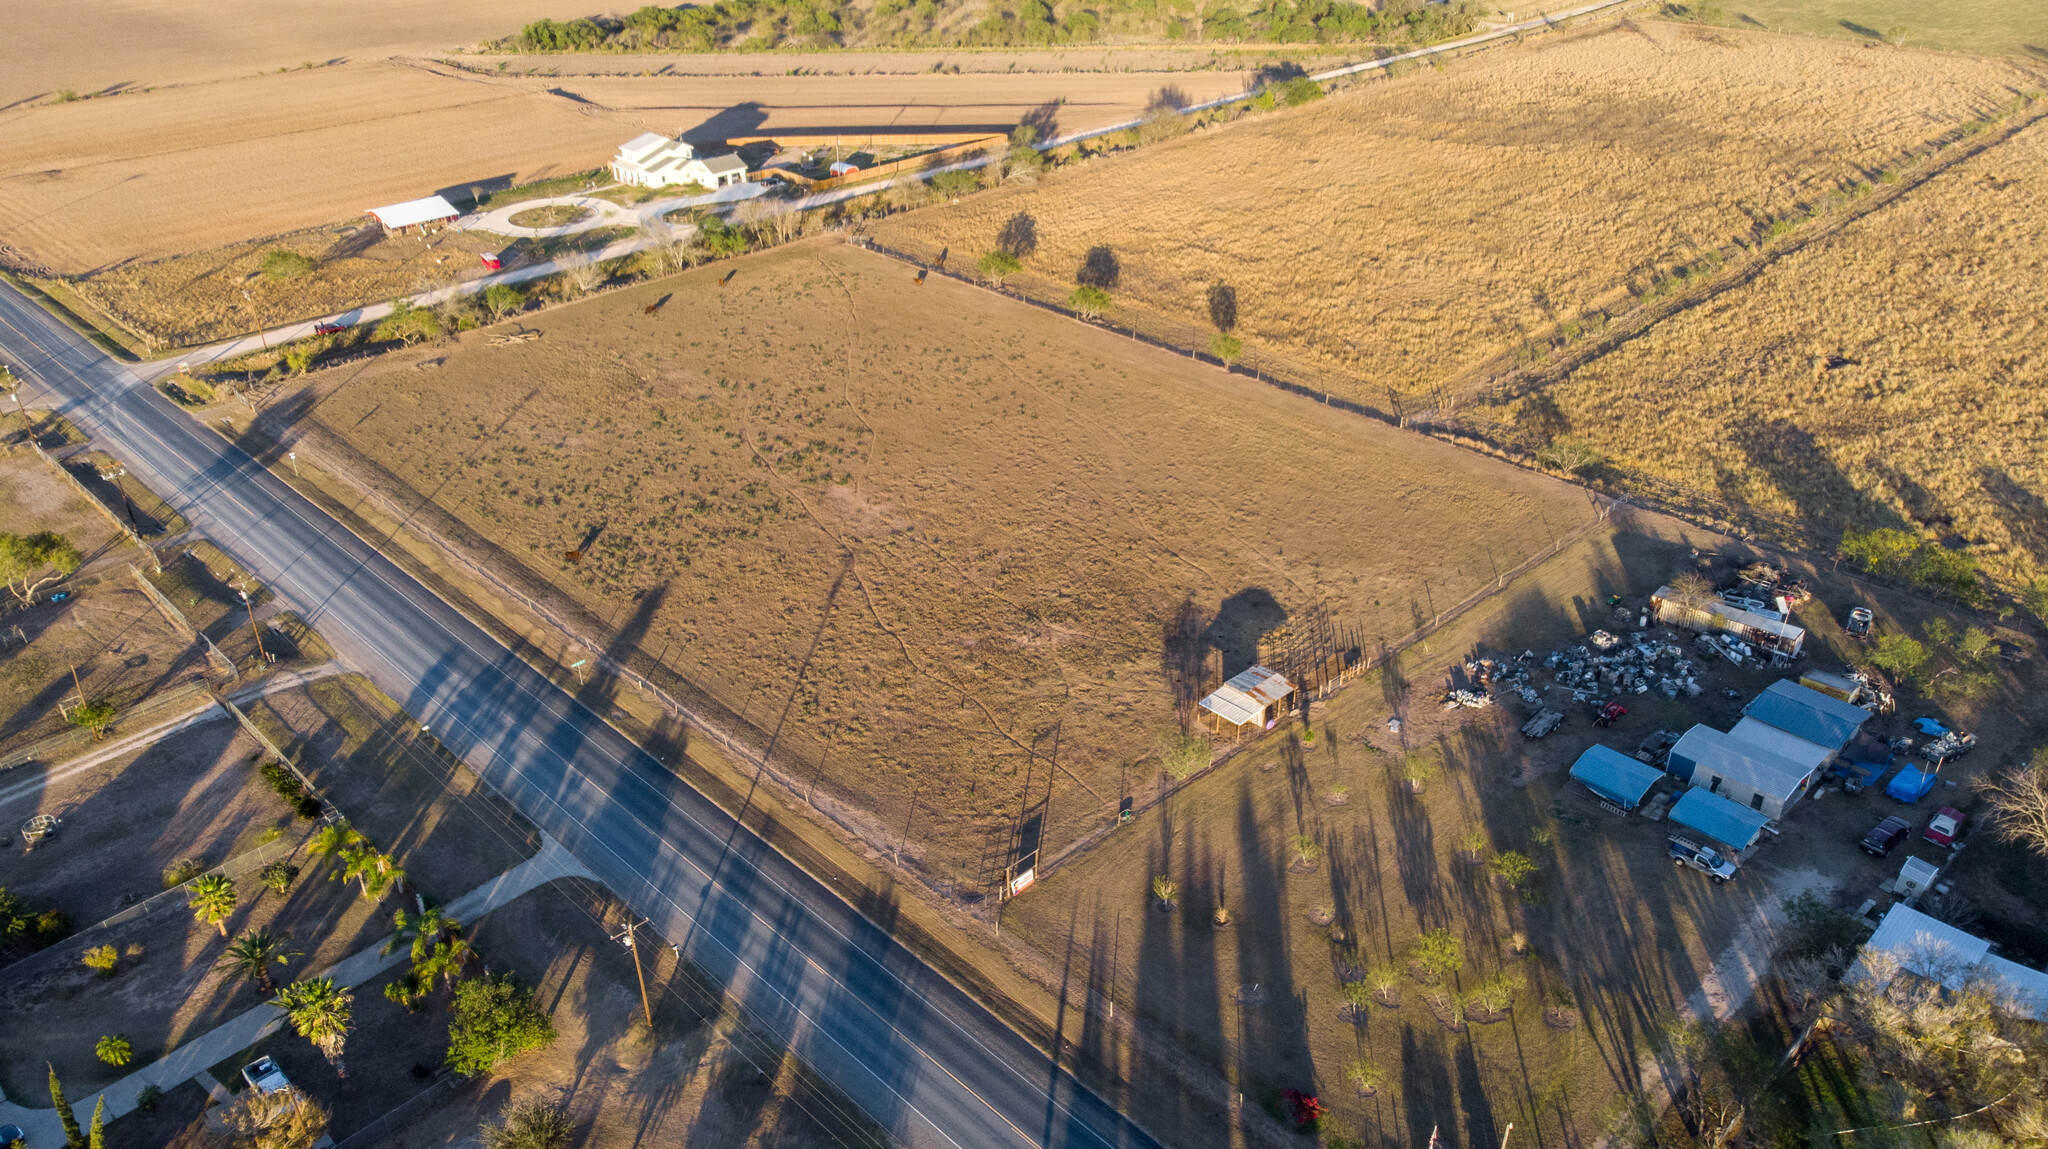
(294, 457)
(625, 937)
(262, 655)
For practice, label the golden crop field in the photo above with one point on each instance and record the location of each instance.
(1931, 417)
(935, 538)
(87, 185)
(1410, 233)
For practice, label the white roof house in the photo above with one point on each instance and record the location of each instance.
(655, 161)
(1940, 952)
(432, 209)
(1251, 697)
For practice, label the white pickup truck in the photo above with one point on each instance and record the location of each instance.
(1706, 859)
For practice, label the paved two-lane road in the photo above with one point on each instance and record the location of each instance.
(924, 1060)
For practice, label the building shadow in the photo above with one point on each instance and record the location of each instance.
(742, 119)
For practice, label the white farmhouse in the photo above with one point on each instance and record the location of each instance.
(655, 161)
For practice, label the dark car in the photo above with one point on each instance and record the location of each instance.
(1889, 833)
(330, 329)
(11, 1135)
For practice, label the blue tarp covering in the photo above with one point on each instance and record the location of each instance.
(1718, 818)
(1806, 713)
(1615, 776)
(1910, 785)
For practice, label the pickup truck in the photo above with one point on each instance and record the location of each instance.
(1706, 859)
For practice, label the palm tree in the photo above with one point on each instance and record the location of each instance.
(250, 955)
(331, 840)
(445, 961)
(422, 929)
(320, 1013)
(384, 873)
(356, 863)
(212, 899)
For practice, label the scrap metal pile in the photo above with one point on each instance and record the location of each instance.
(1625, 667)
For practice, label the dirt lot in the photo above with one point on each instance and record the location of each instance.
(122, 648)
(694, 1082)
(1609, 921)
(394, 784)
(953, 569)
(92, 184)
(1942, 436)
(1446, 218)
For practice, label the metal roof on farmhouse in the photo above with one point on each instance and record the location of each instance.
(1245, 697)
(1937, 950)
(1615, 776)
(1718, 818)
(1807, 713)
(1741, 761)
(725, 163)
(414, 211)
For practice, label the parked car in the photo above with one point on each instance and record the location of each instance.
(330, 329)
(1946, 826)
(1860, 619)
(264, 1076)
(1706, 859)
(1882, 840)
(11, 1136)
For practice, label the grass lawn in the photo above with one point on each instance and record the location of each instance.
(1986, 27)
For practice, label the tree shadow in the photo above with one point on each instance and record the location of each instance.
(1861, 30)
(2024, 513)
(1239, 624)
(1823, 497)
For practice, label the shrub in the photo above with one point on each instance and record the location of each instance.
(299, 356)
(502, 299)
(308, 808)
(1165, 889)
(1181, 755)
(954, 184)
(1514, 868)
(22, 926)
(1418, 767)
(1228, 348)
(283, 781)
(1441, 952)
(494, 1020)
(101, 958)
(95, 716)
(1305, 848)
(1571, 455)
(532, 1124)
(1090, 301)
(1300, 90)
(1815, 927)
(722, 238)
(1497, 992)
(1883, 551)
(181, 871)
(408, 324)
(1366, 1075)
(998, 265)
(281, 264)
(114, 1050)
(1952, 574)
(147, 1099)
(278, 875)
(1899, 655)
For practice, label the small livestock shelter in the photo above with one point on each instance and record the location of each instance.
(415, 213)
(1741, 771)
(1615, 777)
(1737, 827)
(1766, 633)
(1925, 947)
(1253, 699)
(1806, 713)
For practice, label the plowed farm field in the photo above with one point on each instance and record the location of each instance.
(937, 544)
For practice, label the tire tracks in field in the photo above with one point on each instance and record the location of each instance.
(860, 581)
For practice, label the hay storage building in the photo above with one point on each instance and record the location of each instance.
(1253, 700)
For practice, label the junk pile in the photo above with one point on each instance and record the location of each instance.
(1768, 582)
(1636, 667)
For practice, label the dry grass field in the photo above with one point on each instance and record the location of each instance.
(1987, 27)
(928, 535)
(93, 184)
(1932, 419)
(1403, 234)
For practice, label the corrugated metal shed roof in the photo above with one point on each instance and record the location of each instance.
(1615, 776)
(1735, 614)
(2029, 987)
(1807, 713)
(1744, 762)
(1245, 697)
(414, 211)
(1718, 818)
(1790, 747)
(1935, 949)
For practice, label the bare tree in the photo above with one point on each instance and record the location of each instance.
(1692, 590)
(2018, 801)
